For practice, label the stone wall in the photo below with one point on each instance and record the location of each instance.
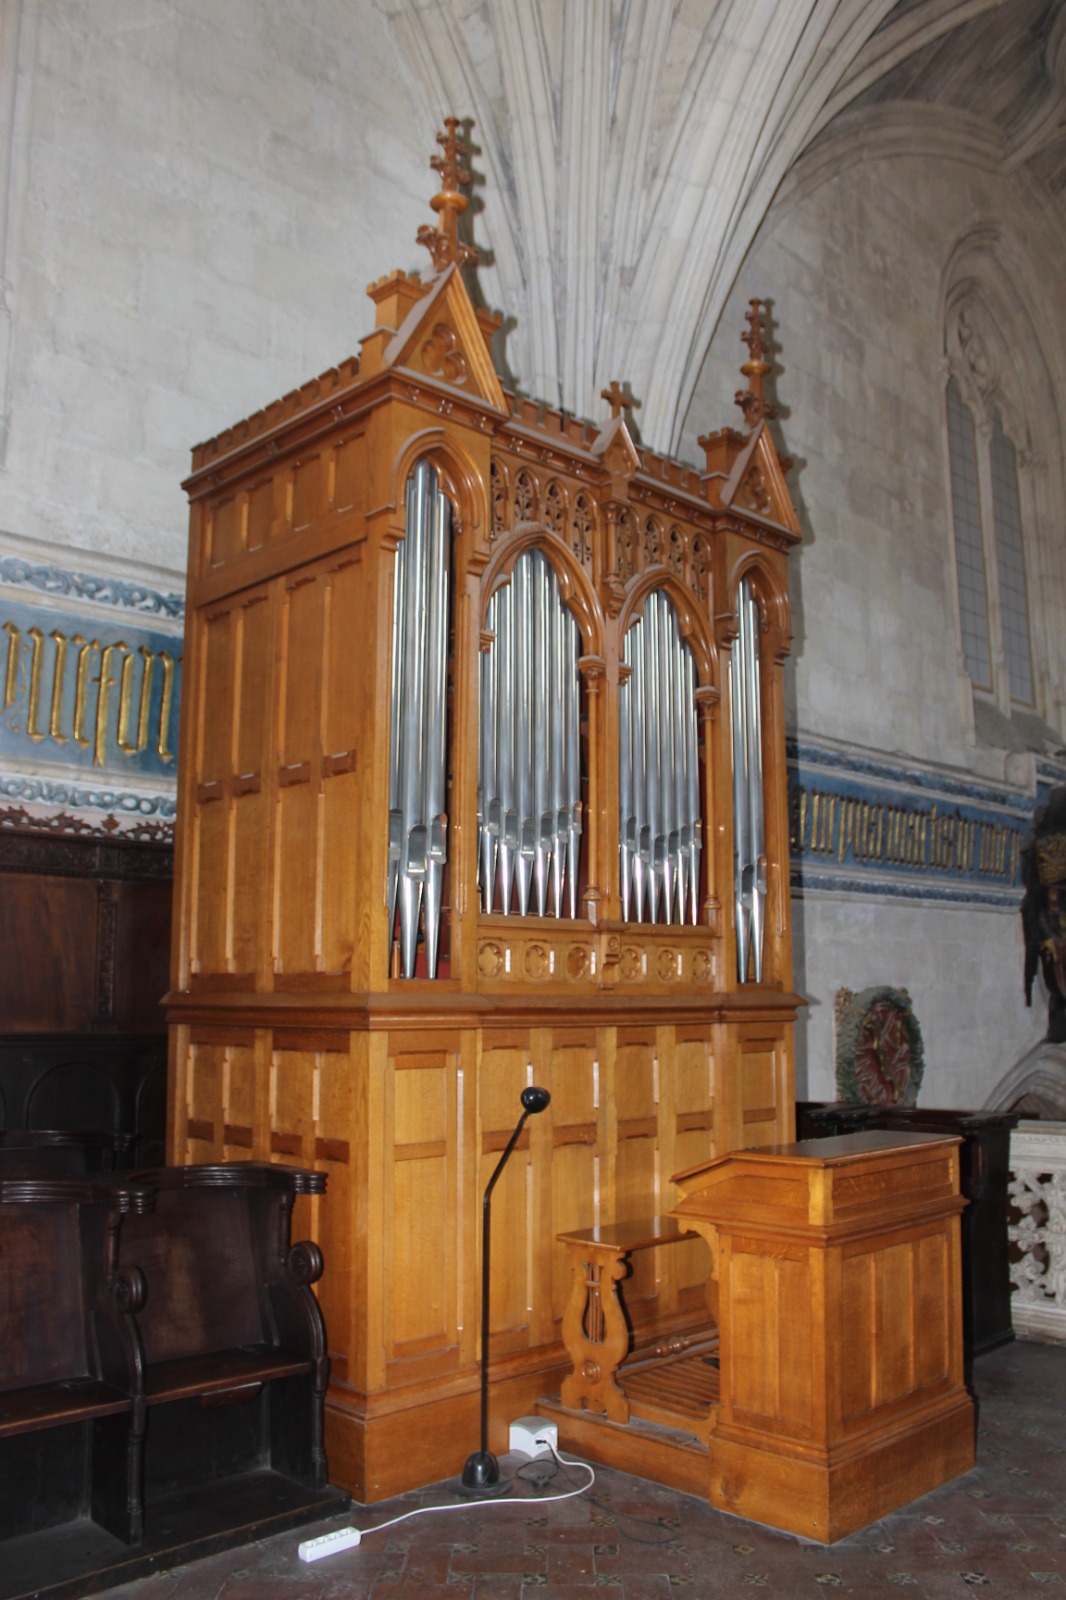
(196, 197)
(859, 258)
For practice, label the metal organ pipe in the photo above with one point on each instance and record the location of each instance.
(660, 829)
(749, 842)
(529, 789)
(418, 826)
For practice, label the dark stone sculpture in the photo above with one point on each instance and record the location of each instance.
(1044, 908)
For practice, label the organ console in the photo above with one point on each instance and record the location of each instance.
(482, 783)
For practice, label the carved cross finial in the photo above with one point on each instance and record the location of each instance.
(751, 400)
(443, 242)
(617, 398)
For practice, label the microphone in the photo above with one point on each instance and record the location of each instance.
(481, 1474)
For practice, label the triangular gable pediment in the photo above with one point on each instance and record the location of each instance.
(441, 338)
(756, 484)
(615, 448)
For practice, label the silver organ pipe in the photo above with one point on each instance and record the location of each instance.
(529, 774)
(660, 829)
(418, 826)
(749, 843)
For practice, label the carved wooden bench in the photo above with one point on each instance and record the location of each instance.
(234, 1351)
(69, 1425)
(162, 1372)
(598, 1336)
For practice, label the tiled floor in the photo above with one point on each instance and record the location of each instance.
(1001, 1530)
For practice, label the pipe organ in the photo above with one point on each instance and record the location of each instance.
(482, 783)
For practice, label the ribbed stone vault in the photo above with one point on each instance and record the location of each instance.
(630, 149)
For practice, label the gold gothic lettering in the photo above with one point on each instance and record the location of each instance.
(49, 712)
(125, 699)
(103, 700)
(11, 678)
(168, 700)
(827, 824)
(55, 722)
(36, 664)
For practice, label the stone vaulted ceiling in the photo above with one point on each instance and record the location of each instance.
(630, 149)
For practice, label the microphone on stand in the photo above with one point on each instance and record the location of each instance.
(481, 1474)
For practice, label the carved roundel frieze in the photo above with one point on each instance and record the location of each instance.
(490, 960)
(631, 964)
(702, 966)
(666, 965)
(536, 962)
(577, 961)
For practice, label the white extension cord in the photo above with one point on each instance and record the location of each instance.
(331, 1544)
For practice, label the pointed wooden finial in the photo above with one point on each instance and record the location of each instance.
(443, 242)
(617, 398)
(751, 400)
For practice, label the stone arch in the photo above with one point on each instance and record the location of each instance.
(1036, 1084)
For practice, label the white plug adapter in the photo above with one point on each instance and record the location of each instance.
(533, 1436)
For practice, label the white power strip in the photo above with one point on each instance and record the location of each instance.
(533, 1436)
(329, 1544)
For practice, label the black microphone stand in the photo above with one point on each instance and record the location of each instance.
(481, 1474)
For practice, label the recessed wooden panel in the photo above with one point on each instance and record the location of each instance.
(310, 490)
(259, 513)
(293, 1095)
(932, 1311)
(343, 760)
(895, 1323)
(224, 530)
(575, 1159)
(349, 471)
(418, 1268)
(422, 1215)
(56, 919)
(795, 1343)
(504, 1075)
(239, 1103)
(752, 1358)
(204, 1079)
(299, 866)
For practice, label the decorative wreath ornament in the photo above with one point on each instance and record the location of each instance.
(880, 1060)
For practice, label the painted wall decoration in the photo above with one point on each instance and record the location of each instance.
(88, 694)
(861, 826)
(90, 688)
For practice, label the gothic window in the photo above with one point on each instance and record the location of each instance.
(1013, 605)
(969, 550)
(988, 525)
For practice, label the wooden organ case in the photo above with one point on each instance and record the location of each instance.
(482, 785)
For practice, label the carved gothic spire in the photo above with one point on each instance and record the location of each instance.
(751, 400)
(443, 242)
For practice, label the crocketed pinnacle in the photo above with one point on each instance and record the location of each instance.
(751, 400)
(443, 242)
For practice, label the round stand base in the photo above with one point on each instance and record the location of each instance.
(481, 1477)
